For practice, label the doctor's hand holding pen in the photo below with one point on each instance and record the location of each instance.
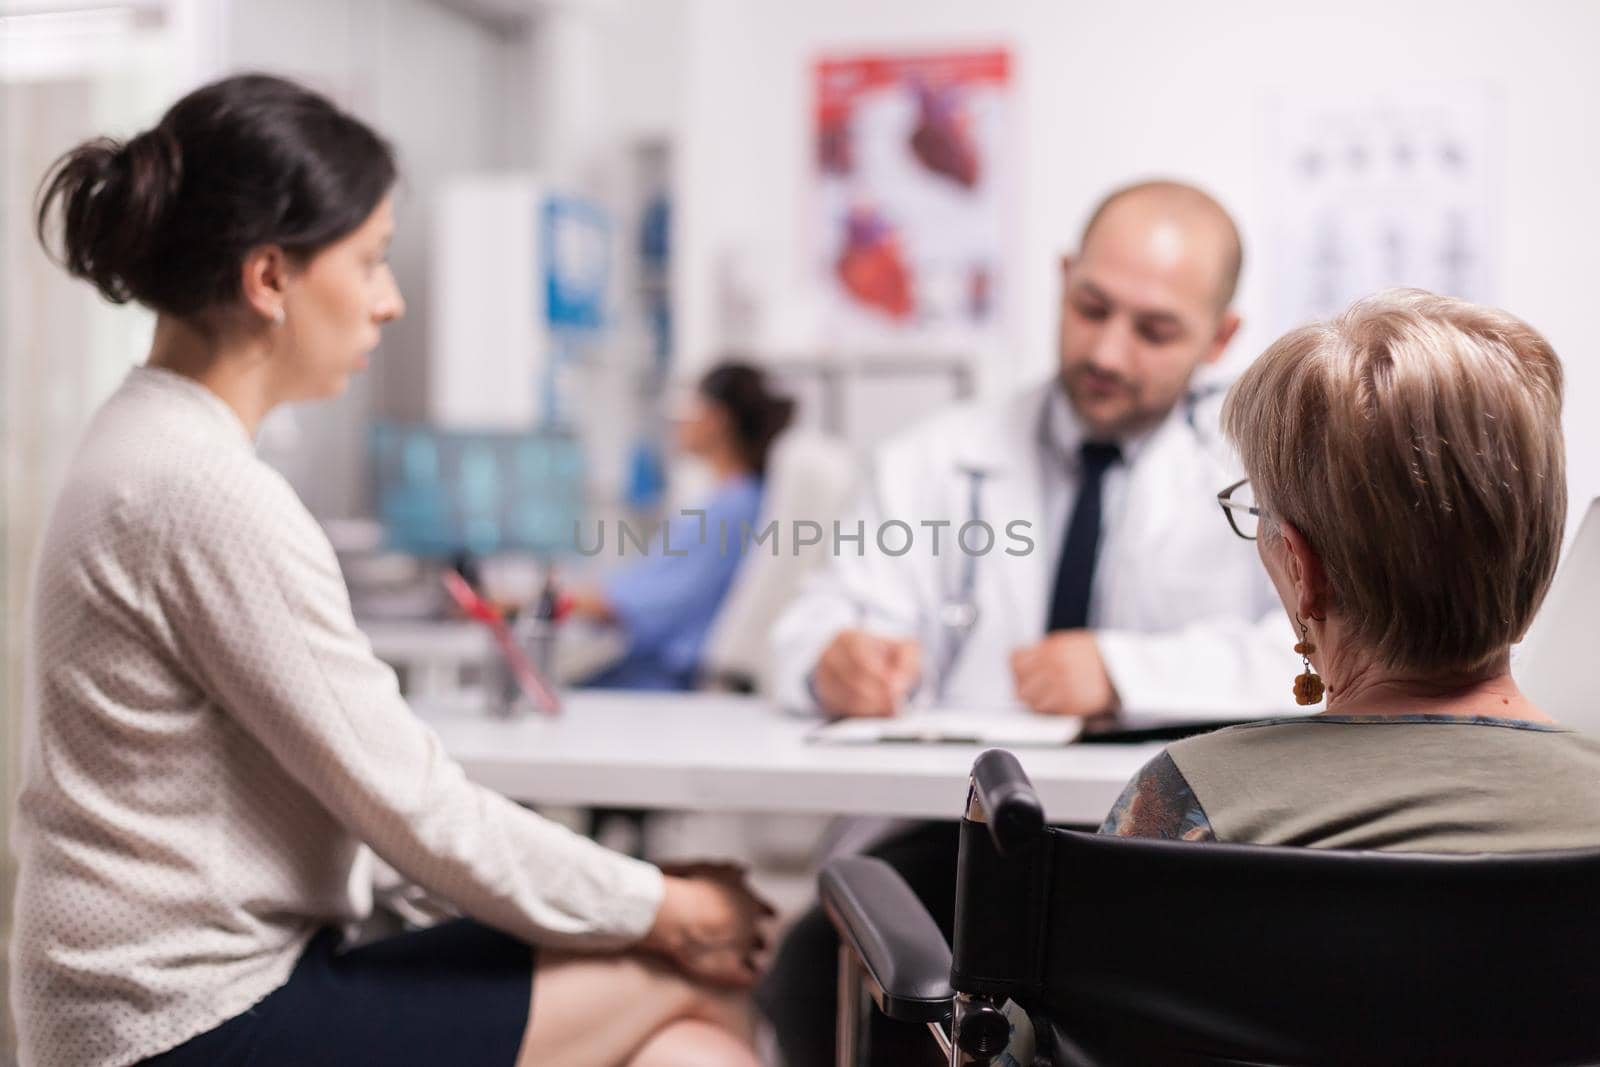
(862, 674)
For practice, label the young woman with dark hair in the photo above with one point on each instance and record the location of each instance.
(667, 602)
(216, 761)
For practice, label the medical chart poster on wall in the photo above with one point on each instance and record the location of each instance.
(913, 164)
(1395, 187)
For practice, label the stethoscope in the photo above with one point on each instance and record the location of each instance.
(958, 608)
(958, 612)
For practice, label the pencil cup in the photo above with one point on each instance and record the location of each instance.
(536, 636)
(504, 696)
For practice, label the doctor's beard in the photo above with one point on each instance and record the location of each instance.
(1111, 406)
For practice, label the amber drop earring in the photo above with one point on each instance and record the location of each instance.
(1308, 687)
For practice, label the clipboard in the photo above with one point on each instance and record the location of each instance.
(1004, 729)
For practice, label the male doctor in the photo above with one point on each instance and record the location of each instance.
(1112, 581)
(1134, 594)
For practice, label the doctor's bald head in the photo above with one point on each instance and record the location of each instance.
(1145, 303)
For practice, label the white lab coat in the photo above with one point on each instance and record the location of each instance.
(1185, 617)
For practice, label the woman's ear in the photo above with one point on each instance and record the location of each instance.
(1310, 578)
(264, 280)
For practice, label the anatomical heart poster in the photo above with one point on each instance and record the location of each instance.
(914, 175)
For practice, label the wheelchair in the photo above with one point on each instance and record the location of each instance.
(1131, 951)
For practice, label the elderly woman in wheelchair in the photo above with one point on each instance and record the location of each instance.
(1406, 492)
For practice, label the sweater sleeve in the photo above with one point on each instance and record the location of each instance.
(258, 611)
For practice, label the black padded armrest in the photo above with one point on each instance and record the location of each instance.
(885, 925)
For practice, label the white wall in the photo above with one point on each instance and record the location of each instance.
(643, 69)
(454, 94)
(1114, 92)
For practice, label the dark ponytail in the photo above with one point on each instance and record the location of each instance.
(113, 196)
(757, 415)
(167, 218)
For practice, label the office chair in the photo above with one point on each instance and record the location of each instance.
(1137, 951)
(810, 478)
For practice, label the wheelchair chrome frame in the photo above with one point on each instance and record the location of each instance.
(858, 994)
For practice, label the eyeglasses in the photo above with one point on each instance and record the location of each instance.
(1239, 505)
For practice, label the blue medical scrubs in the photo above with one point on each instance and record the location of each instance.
(666, 604)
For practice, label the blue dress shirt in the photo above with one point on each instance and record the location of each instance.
(667, 603)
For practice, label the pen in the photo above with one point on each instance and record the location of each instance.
(862, 611)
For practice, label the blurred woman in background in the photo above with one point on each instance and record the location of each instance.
(214, 754)
(666, 603)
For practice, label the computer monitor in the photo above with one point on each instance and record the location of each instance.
(1552, 665)
(441, 493)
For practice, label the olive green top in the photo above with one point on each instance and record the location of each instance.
(1433, 783)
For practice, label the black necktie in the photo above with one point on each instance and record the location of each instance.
(1069, 608)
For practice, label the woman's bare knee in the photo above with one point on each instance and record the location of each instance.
(730, 1010)
(694, 1043)
(605, 1010)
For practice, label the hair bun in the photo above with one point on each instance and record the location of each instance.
(780, 412)
(154, 175)
(758, 414)
(114, 200)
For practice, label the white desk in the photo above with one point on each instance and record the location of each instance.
(711, 752)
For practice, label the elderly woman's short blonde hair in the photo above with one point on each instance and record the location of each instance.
(1416, 442)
